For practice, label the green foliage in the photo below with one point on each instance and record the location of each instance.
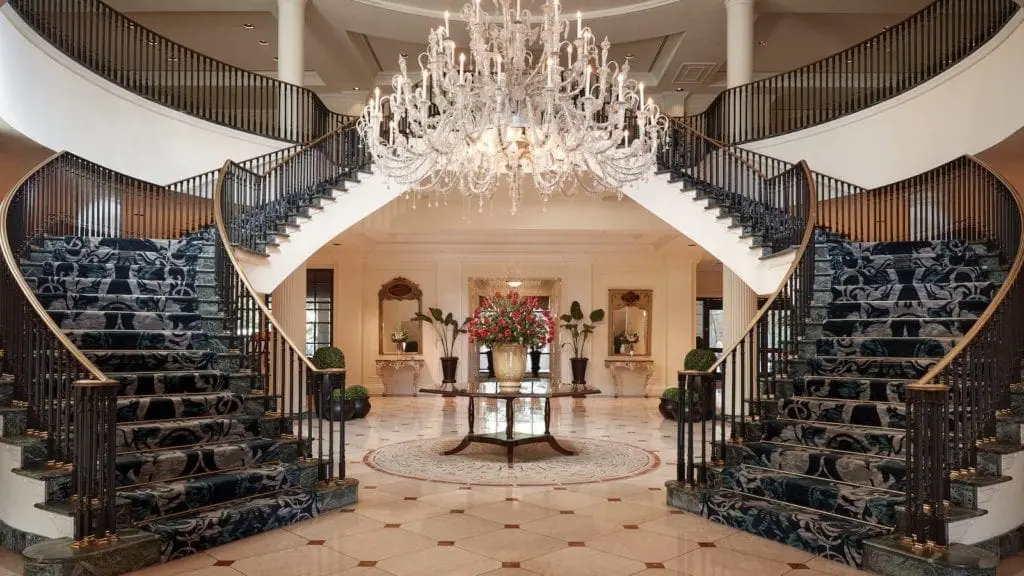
(580, 330)
(329, 357)
(699, 359)
(336, 395)
(356, 392)
(446, 326)
(671, 393)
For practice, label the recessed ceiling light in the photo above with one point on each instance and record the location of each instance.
(356, 88)
(248, 26)
(679, 89)
(514, 283)
(762, 43)
(172, 58)
(152, 42)
(275, 58)
(262, 42)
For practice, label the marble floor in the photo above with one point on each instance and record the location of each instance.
(404, 527)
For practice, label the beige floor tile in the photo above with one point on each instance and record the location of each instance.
(763, 548)
(653, 498)
(211, 571)
(623, 512)
(608, 489)
(511, 545)
(461, 499)
(642, 546)
(186, 564)
(10, 561)
(374, 497)
(333, 525)
(418, 488)
(516, 512)
(571, 527)
(380, 544)
(725, 562)
(371, 477)
(264, 543)
(360, 571)
(562, 500)
(399, 511)
(303, 561)
(581, 561)
(452, 527)
(688, 526)
(839, 569)
(510, 572)
(439, 561)
(667, 572)
(513, 491)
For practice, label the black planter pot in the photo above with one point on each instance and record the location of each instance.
(535, 363)
(338, 410)
(449, 369)
(667, 408)
(360, 407)
(579, 370)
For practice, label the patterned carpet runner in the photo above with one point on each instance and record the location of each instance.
(825, 469)
(198, 460)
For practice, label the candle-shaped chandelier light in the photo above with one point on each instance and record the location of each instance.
(520, 99)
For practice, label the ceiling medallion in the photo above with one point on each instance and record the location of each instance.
(521, 101)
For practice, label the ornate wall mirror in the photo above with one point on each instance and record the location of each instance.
(629, 327)
(400, 300)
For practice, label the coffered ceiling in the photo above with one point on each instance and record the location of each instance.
(677, 45)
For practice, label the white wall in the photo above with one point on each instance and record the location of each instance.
(969, 108)
(443, 275)
(56, 102)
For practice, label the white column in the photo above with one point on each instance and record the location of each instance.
(739, 16)
(289, 309)
(291, 65)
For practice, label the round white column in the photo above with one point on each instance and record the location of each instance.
(291, 66)
(739, 19)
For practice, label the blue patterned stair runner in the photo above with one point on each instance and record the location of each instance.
(825, 469)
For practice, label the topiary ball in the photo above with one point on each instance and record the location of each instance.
(699, 359)
(671, 394)
(329, 357)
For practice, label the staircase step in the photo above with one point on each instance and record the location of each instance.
(870, 367)
(187, 534)
(131, 272)
(123, 257)
(156, 383)
(164, 465)
(874, 310)
(139, 409)
(903, 292)
(921, 248)
(870, 505)
(832, 537)
(126, 320)
(103, 244)
(880, 346)
(166, 498)
(152, 435)
(110, 286)
(892, 328)
(856, 412)
(153, 360)
(870, 471)
(852, 388)
(872, 274)
(840, 437)
(129, 302)
(139, 340)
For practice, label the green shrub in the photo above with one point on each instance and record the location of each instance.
(336, 395)
(329, 357)
(356, 392)
(671, 393)
(699, 359)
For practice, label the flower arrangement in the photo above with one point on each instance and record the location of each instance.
(631, 338)
(399, 336)
(511, 319)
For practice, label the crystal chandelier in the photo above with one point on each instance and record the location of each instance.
(521, 100)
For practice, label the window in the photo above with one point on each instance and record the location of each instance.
(319, 309)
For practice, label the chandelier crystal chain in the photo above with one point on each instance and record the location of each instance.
(542, 101)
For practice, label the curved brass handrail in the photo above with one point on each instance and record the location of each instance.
(1001, 295)
(98, 377)
(805, 242)
(222, 232)
(304, 147)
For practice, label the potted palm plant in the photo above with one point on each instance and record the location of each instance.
(580, 328)
(448, 330)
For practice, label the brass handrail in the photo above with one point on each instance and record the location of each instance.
(98, 377)
(307, 146)
(805, 241)
(1001, 295)
(222, 231)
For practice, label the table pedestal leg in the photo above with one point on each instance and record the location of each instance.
(467, 439)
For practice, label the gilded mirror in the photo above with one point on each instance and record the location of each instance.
(400, 300)
(629, 327)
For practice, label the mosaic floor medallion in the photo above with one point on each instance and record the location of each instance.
(535, 464)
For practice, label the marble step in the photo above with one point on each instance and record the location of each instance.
(891, 328)
(112, 286)
(879, 346)
(856, 412)
(840, 437)
(153, 360)
(126, 320)
(123, 257)
(869, 274)
(139, 409)
(115, 271)
(983, 290)
(176, 463)
(875, 310)
(852, 388)
(865, 367)
(139, 340)
(865, 470)
(187, 382)
(129, 302)
(152, 435)
(104, 244)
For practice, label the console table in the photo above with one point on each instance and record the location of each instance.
(626, 373)
(509, 438)
(401, 376)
